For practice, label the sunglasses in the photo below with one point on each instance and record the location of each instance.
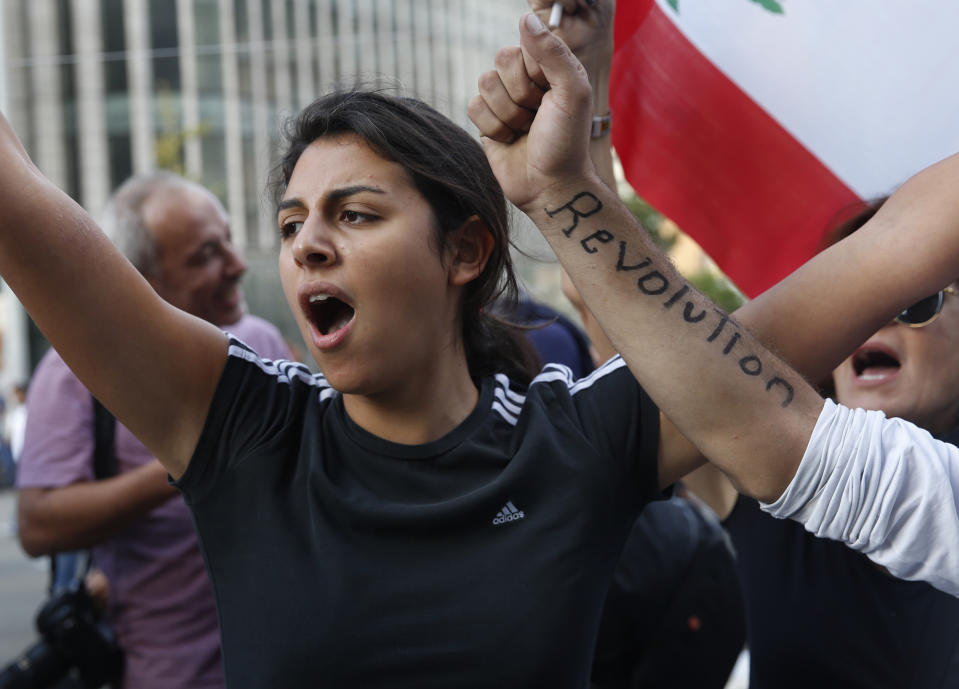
(925, 311)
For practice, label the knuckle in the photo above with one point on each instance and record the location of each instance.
(488, 80)
(477, 112)
(506, 57)
(476, 107)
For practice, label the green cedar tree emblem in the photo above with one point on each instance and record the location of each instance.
(770, 5)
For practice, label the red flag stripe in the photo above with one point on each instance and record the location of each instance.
(699, 149)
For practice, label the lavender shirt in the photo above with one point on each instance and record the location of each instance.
(161, 601)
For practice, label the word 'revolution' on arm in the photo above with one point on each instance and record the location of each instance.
(719, 327)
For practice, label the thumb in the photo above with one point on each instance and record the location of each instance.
(560, 67)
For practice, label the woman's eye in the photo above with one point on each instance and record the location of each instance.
(289, 229)
(353, 217)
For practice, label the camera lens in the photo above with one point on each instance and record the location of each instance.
(38, 666)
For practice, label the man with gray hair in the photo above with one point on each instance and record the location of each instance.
(161, 605)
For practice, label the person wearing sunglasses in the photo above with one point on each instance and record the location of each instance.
(850, 623)
(909, 368)
(925, 311)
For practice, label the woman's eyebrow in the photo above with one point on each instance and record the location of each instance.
(331, 197)
(289, 203)
(343, 192)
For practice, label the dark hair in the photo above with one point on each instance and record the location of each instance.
(449, 168)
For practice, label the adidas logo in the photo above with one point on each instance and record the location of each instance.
(508, 514)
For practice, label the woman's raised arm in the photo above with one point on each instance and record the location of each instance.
(745, 409)
(154, 366)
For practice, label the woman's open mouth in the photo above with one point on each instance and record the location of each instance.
(329, 314)
(874, 364)
(328, 311)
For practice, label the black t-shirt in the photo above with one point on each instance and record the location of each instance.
(819, 614)
(481, 559)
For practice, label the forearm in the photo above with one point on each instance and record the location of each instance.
(722, 389)
(62, 268)
(84, 514)
(818, 315)
(101, 315)
(743, 408)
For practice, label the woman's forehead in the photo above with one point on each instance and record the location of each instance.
(344, 160)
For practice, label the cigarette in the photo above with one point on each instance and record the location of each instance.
(555, 15)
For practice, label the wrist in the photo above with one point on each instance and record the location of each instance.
(600, 86)
(542, 208)
(598, 71)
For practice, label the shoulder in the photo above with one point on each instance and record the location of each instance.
(608, 406)
(242, 357)
(609, 392)
(555, 384)
(561, 378)
(259, 404)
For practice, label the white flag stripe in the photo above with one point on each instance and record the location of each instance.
(867, 87)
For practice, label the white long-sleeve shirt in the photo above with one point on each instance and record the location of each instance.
(884, 487)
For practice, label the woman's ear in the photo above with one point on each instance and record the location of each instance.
(469, 247)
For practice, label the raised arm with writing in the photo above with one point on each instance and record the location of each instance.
(741, 406)
(817, 316)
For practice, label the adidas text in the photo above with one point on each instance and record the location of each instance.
(508, 514)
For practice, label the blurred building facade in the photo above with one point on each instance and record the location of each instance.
(100, 89)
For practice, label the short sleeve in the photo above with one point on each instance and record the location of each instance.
(621, 422)
(256, 409)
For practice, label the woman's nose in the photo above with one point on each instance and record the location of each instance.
(312, 245)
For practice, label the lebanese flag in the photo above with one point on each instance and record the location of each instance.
(755, 124)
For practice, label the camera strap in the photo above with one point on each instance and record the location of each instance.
(104, 439)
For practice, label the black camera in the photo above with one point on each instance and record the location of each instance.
(75, 644)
